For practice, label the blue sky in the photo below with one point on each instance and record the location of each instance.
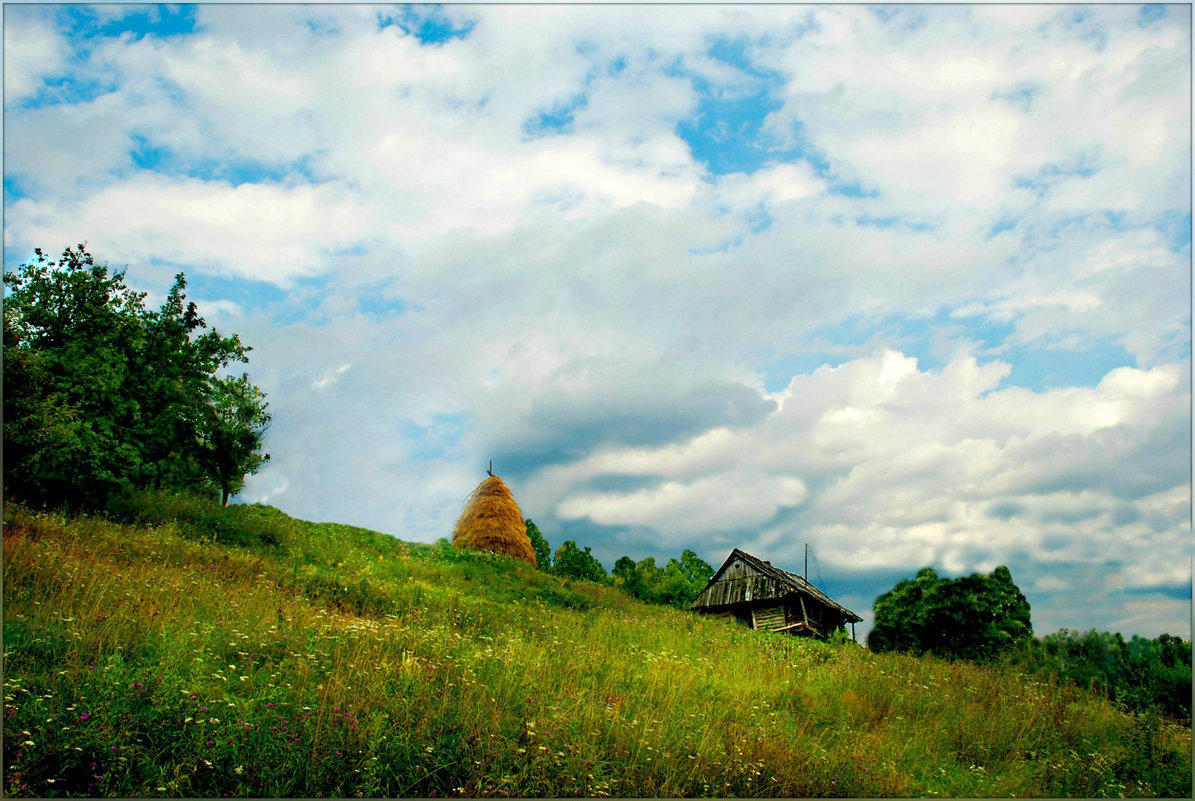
(910, 284)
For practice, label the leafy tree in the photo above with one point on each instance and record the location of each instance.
(976, 617)
(696, 571)
(645, 581)
(71, 341)
(102, 394)
(571, 561)
(543, 551)
(673, 587)
(233, 425)
(182, 397)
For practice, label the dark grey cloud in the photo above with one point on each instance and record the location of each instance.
(559, 429)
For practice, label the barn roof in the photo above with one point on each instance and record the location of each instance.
(787, 582)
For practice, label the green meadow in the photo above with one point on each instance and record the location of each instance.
(181, 649)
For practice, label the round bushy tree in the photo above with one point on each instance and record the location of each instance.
(976, 617)
(103, 395)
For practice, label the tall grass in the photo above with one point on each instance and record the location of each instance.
(198, 651)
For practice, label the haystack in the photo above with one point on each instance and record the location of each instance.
(492, 522)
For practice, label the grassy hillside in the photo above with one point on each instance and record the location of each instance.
(198, 651)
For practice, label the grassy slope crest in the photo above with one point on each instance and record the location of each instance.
(191, 650)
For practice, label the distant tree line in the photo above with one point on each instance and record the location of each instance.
(676, 584)
(1141, 674)
(103, 395)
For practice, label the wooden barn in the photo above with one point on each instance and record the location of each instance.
(761, 596)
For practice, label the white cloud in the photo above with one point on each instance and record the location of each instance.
(330, 376)
(946, 117)
(590, 302)
(33, 51)
(220, 311)
(746, 498)
(66, 150)
(260, 231)
(909, 465)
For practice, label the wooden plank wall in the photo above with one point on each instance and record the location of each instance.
(769, 618)
(741, 590)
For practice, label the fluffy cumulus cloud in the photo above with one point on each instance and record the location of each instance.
(909, 285)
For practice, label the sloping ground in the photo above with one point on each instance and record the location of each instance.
(198, 651)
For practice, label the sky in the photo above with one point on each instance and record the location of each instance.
(910, 285)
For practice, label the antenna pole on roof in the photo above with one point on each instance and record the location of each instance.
(806, 576)
(490, 471)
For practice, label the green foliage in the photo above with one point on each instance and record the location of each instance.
(975, 617)
(144, 661)
(543, 551)
(571, 561)
(1141, 674)
(676, 584)
(623, 572)
(103, 395)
